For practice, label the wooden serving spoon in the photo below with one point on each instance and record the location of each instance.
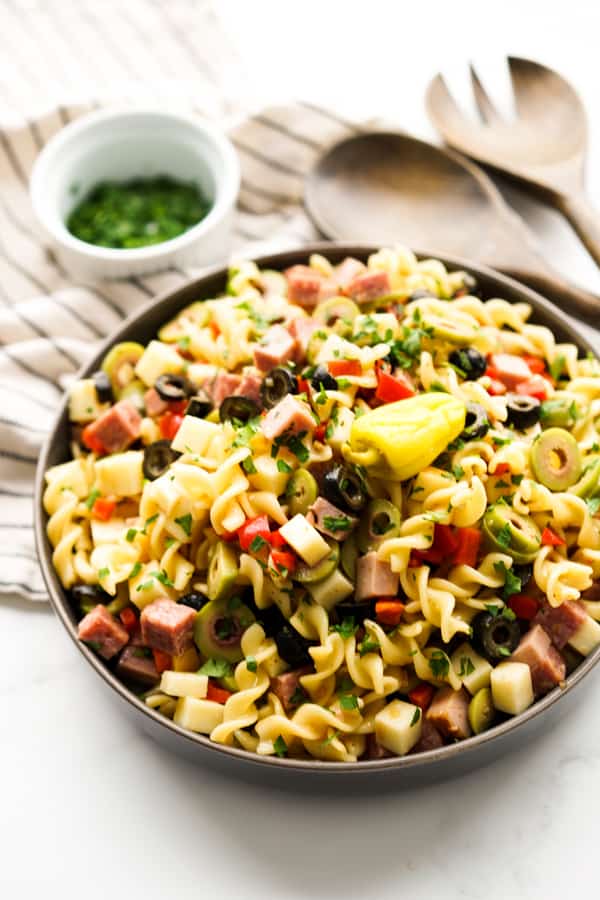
(391, 187)
(544, 148)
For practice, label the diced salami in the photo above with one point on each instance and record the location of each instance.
(545, 662)
(374, 578)
(167, 626)
(225, 384)
(307, 287)
(285, 686)
(103, 632)
(430, 738)
(276, 347)
(137, 664)
(448, 712)
(330, 520)
(368, 286)
(511, 370)
(347, 271)
(290, 414)
(592, 594)
(561, 622)
(302, 330)
(117, 428)
(155, 405)
(250, 384)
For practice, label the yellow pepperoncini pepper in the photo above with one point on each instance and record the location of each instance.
(398, 440)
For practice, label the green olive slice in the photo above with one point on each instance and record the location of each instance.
(348, 557)
(315, 343)
(556, 459)
(311, 574)
(558, 411)
(218, 629)
(589, 481)
(335, 308)
(509, 532)
(301, 492)
(481, 711)
(222, 571)
(381, 520)
(119, 364)
(445, 329)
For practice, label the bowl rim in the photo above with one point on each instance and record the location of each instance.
(227, 186)
(58, 595)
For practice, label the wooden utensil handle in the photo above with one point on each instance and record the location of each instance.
(585, 220)
(566, 296)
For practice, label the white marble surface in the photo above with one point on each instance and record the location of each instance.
(89, 805)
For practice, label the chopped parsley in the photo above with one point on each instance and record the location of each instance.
(248, 466)
(328, 740)
(347, 629)
(91, 498)
(103, 573)
(244, 432)
(163, 578)
(185, 523)
(299, 450)
(504, 651)
(282, 466)
(416, 716)
(367, 645)
(337, 523)
(216, 668)
(280, 746)
(348, 702)
(131, 533)
(257, 544)
(516, 479)
(136, 570)
(458, 472)
(439, 664)
(493, 609)
(512, 582)
(466, 666)
(504, 535)
(169, 542)
(321, 398)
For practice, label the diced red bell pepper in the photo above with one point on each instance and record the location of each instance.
(319, 432)
(216, 331)
(178, 407)
(92, 441)
(162, 661)
(536, 364)
(283, 561)
(276, 540)
(445, 544)
(550, 539)
(103, 508)
(169, 425)
(340, 367)
(390, 389)
(421, 695)
(492, 372)
(524, 606)
(496, 388)
(303, 387)
(129, 619)
(534, 387)
(217, 694)
(389, 611)
(469, 541)
(253, 528)
(502, 469)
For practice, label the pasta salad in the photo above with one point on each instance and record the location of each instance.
(343, 512)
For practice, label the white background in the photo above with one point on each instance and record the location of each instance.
(90, 806)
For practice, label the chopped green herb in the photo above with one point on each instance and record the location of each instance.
(163, 578)
(248, 466)
(321, 398)
(328, 740)
(348, 702)
(458, 472)
(216, 668)
(347, 629)
(512, 582)
(439, 664)
(184, 342)
(504, 535)
(282, 466)
(557, 366)
(516, 479)
(504, 651)
(103, 573)
(299, 450)
(367, 645)
(337, 523)
(137, 568)
(251, 664)
(185, 523)
(466, 666)
(169, 542)
(280, 746)
(493, 609)
(91, 498)
(145, 586)
(257, 544)
(131, 533)
(416, 716)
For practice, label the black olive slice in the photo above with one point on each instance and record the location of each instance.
(522, 411)
(171, 387)
(239, 408)
(104, 391)
(157, 459)
(276, 385)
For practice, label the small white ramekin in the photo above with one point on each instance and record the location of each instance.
(108, 145)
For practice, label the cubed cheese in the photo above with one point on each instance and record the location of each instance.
(305, 540)
(120, 474)
(184, 684)
(512, 690)
(274, 665)
(71, 476)
(83, 401)
(587, 637)
(194, 435)
(267, 476)
(339, 427)
(158, 359)
(367, 329)
(331, 590)
(145, 588)
(474, 670)
(201, 716)
(398, 726)
(110, 532)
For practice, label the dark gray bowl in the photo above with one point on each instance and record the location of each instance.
(402, 771)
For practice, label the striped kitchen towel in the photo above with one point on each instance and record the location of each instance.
(49, 325)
